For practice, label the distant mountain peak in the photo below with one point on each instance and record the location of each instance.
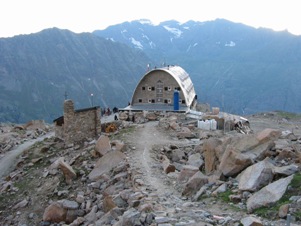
(145, 21)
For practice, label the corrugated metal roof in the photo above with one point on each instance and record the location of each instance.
(183, 79)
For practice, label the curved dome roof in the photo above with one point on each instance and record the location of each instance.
(184, 81)
(182, 78)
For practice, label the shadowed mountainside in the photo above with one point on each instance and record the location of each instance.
(36, 70)
(238, 68)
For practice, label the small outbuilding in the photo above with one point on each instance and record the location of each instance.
(77, 125)
(164, 89)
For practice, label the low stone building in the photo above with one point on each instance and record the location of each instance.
(164, 89)
(78, 125)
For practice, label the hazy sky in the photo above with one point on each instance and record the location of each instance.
(30, 16)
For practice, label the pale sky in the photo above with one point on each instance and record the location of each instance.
(31, 16)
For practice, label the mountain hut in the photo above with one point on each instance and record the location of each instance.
(164, 89)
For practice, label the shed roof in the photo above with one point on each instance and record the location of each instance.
(60, 120)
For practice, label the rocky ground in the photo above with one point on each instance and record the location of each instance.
(130, 177)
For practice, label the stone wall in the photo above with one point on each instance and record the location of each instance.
(59, 131)
(79, 125)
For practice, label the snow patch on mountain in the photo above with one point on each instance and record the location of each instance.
(145, 36)
(152, 45)
(230, 44)
(111, 39)
(136, 43)
(174, 31)
(145, 21)
(189, 47)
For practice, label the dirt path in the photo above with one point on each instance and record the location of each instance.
(145, 160)
(161, 187)
(8, 162)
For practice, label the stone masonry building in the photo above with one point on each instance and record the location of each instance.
(78, 125)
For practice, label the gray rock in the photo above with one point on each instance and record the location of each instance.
(67, 204)
(286, 170)
(269, 194)
(251, 221)
(256, 176)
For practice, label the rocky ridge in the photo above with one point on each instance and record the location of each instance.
(160, 171)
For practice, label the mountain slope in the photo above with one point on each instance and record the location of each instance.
(238, 68)
(37, 70)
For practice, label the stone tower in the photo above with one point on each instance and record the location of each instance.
(69, 120)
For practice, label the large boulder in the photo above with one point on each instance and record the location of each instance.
(105, 164)
(243, 151)
(186, 173)
(268, 195)
(55, 213)
(268, 134)
(256, 176)
(68, 171)
(286, 170)
(234, 161)
(195, 160)
(195, 183)
(211, 154)
(251, 221)
(103, 145)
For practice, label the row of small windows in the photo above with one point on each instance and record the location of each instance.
(150, 88)
(159, 100)
(166, 88)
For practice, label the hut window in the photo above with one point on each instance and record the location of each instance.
(140, 100)
(153, 100)
(165, 101)
(143, 87)
(183, 101)
(165, 88)
(153, 88)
